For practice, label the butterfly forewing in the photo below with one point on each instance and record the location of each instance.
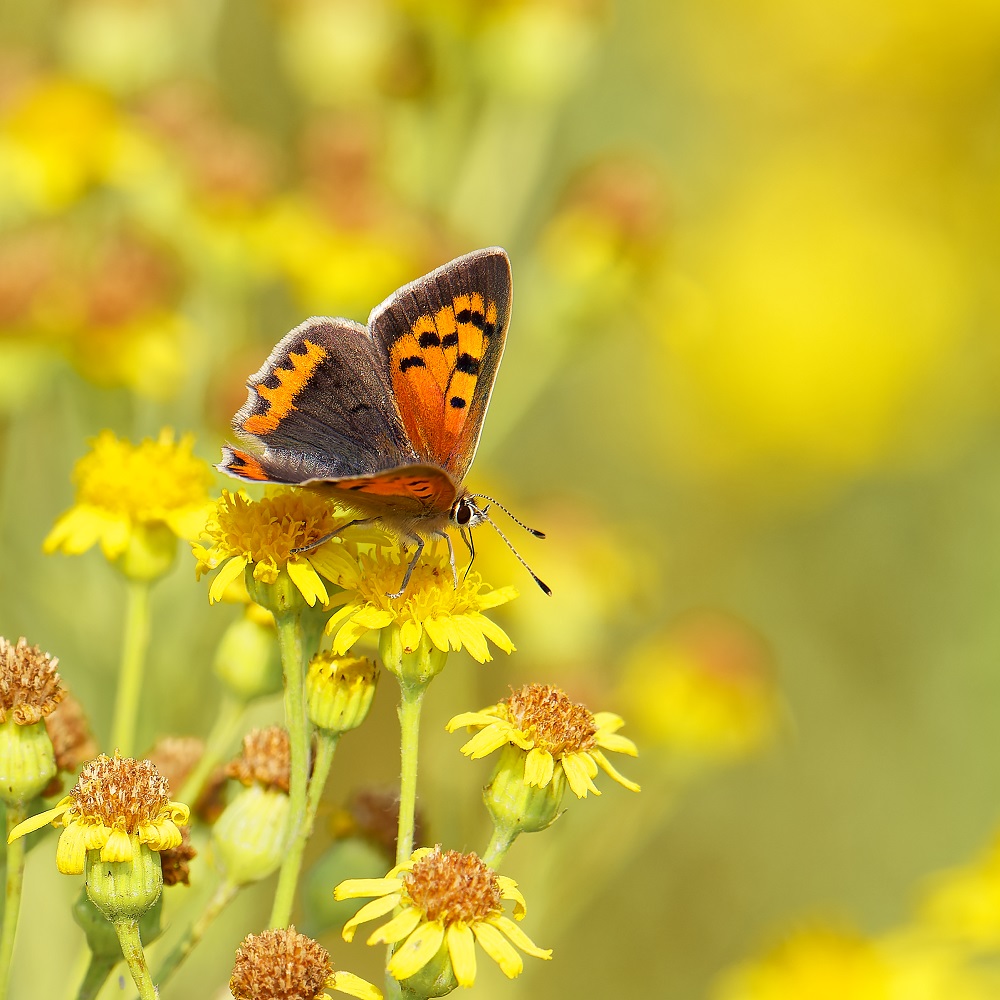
(321, 406)
(444, 336)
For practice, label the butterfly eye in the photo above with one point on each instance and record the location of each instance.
(463, 512)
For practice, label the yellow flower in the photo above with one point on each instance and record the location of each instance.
(284, 963)
(264, 534)
(964, 903)
(117, 805)
(57, 139)
(554, 733)
(448, 901)
(704, 688)
(130, 496)
(451, 617)
(817, 963)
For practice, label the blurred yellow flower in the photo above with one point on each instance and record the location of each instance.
(155, 491)
(264, 534)
(450, 616)
(704, 688)
(964, 903)
(59, 137)
(448, 901)
(816, 963)
(816, 316)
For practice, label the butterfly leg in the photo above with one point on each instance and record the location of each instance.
(333, 534)
(451, 554)
(409, 569)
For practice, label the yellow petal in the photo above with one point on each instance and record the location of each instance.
(538, 767)
(462, 952)
(499, 949)
(438, 633)
(401, 926)
(71, 851)
(509, 890)
(469, 719)
(230, 571)
(376, 908)
(409, 634)
(487, 740)
(608, 768)
(307, 580)
(494, 633)
(354, 986)
(348, 635)
(494, 598)
(352, 888)
(118, 847)
(617, 744)
(417, 950)
(519, 938)
(41, 819)
(577, 773)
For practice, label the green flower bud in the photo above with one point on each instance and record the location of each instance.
(515, 806)
(124, 890)
(339, 691)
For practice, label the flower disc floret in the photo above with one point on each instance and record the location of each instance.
(447, 902)
(265, 535)
(554, 732)
(450, 616)
(115, 800)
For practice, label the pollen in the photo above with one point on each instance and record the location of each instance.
(30, 687)
(546, 715)
(450, 886)
(280, 963)
(120, 792)
(265, 759)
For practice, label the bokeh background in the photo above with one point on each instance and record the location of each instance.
(750, 391)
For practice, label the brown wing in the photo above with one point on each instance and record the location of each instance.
(444, 335)
(320, 408)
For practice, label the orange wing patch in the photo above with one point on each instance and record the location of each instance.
(435, 370)
(432, 492)
(239, 463)
(280, 399)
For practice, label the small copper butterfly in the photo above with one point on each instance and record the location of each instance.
(386, 418)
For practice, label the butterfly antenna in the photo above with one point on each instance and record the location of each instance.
(517, 555)
(531, 531)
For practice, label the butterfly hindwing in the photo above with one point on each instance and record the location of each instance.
(444, 335)
(321, 406)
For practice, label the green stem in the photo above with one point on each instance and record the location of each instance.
(410, 704)
(220, 899)
(290, 642)
(500, 843)
(16, 813)
(226, 724)
(135, 958)
(134, 645)
(292, 865)
(98, 970)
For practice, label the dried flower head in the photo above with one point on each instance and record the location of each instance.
(265, 759)
(176, 861)
(283, 964)
(30, 687)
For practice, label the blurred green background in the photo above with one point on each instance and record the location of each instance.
(750, 392)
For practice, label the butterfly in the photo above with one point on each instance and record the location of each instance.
(386, 418)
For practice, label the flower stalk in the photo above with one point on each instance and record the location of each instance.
(134, 646)
(16, 813)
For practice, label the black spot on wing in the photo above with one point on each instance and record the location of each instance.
(413, 361)
(449, 340)
(457, 403)
(429, 338)
(467, 364)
